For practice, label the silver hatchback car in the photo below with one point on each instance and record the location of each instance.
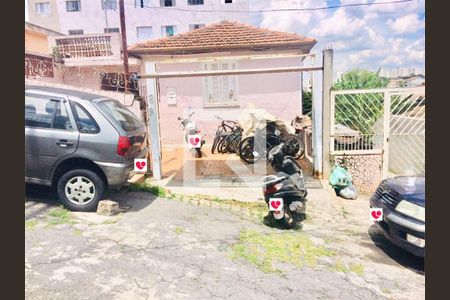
(80, 144)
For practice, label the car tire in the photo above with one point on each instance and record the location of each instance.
(80, 189)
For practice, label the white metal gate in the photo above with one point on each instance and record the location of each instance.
(387, 122)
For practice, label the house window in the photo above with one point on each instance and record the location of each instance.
(168, 30)
(196, 26)
(220, 90)
(43, 9)
(228, 1)
(144, 32)
(73, 6)
(195, 2)
(141, 3)
(166, 3)
(76, 31)
(110, 30)
(109, 4)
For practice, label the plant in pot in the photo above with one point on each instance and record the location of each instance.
(57, 56)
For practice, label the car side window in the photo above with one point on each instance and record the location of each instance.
(85, 122)
(39, 112)
(61, 120)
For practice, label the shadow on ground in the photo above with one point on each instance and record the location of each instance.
(39, 199)
(395, 253)
(131, 201)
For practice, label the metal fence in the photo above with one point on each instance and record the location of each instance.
(388, 122)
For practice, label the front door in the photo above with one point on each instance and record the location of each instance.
(50, 134)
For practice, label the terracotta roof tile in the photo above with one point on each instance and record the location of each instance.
(223, 36)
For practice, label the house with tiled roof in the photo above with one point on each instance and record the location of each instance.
(220, 47)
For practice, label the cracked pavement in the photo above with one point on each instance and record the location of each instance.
(140, 254)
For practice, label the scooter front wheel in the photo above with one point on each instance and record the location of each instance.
(199, 152)
(288, 220)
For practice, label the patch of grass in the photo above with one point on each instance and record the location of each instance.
(59, 215)
(77, 232)
(262, 250)
(356, 268)
(179, 230)
(111, 221)
(30, 224)
(146, 187)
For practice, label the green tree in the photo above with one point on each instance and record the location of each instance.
(360, 79)
(307, 103)
(359, 111)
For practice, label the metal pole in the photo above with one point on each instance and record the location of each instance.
(123, 31)
(326, 109)
(386, 127)
(317, 123)
(153, 123)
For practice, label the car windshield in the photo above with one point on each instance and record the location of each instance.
(122, 115)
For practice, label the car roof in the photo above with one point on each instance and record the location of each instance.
(60, 92)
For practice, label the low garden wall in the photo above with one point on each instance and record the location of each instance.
(365, 170)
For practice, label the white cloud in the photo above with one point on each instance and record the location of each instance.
(339, 24)
(368, 37)
(406, 24)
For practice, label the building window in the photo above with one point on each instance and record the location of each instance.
(73, 6)
(76, 31)
(144, 32)
(228, 1)
(166, 3)
(168, 30)
(43, 9)
(220, 90)
(195, 2)
(196, 26)
(111, 30)
(109, 4)
(141, 3)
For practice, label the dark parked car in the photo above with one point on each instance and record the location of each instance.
(403, 202)
(79, 143)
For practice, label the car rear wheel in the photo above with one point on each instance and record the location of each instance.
(80, 189)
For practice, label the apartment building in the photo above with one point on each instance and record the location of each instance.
(145, 19)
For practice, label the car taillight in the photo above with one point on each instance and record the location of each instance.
(123, 145)
(272, 188)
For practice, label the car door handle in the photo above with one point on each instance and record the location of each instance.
(64, 143)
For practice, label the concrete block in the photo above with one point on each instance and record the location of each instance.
(107, 208)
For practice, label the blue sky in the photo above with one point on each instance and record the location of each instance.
(387, 36)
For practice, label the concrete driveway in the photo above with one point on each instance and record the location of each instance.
(169, 249)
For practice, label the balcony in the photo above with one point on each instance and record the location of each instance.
(88, 49)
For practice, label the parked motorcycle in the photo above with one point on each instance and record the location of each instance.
(190, 128)
(285, 193)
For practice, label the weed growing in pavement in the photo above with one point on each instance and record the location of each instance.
(77, 232)
(30, 224)
(146, 187)
(111, 221)
(262, 250)
(179, 230)
(356, 268)
(59, 215)
(344, 212)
